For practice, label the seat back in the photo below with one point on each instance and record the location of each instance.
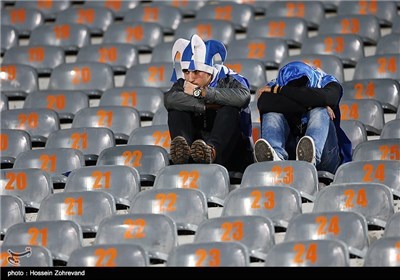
(122, 182)
(18, 80)
(3, 102)
(48, 234)
(378, 66)
(349, 227)
(24, 19)
(209, 254)
(188, 8)
(9, 37)
(309, 253)
(12, 212)
(378, 149)
(109, 255)
(388, 44)
(162, 52)
(32, 185)
(383, 252)
(187, 207)
(160, 116)
(392, 226)
(355, 131)
(151, 135)
(13, 142)
(48, 9)
(118, 8)
(25, 256)
(396, 24)
(156, 233)
(252, 69)
(256, 233)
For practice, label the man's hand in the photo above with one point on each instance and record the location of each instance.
(267, 89)
(330, 112)
(188, 87)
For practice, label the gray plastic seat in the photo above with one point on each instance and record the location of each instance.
(162, 52)
(3, 102)
(391, 129)
(256, 233)
(297, 174)
(378, 66)
(147, 100)
(109, 255)
(392, 226)
(253, 69)
(187, 207)
(119, 8)
(32, 185)
(384, 252)
(12, 212)
(13, 142)
(93, 78)
(151, 135)
(188, 8)
(373, 200)
(122, 182)
(309, 253)
(18, 80)
(396, 24)
(38, 122)
(378, 149)
(89, 140)
(279, 203)
(160, 116)
(389, 43)
(355, 131)
(9, 37)
(49, 9)
(43, 58)
(209, 254)
(65, 102)
(156, 233)
(349, 227)
(86, 208)
(255, 114)
(25, 256)
(24, 19)
(48, 234)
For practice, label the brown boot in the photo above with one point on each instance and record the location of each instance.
(201, 152)
(179, 150)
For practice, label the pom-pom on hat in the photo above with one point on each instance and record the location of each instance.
(197, 54)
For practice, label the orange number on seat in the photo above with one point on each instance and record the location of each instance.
(370, 175)
(3, 142)
(129, 98)
(269, 197)
(106, 258)
(204, 31)
(334, 44)
(79, 140)
(55, 102)
(49, 162)
(256, 50)
(287, 177)
(360, 197)
(81, 75)
(214, 255)
(135, 228)
(349, 112)
(85, 16)
(150, 14)
(36, 54)
(162, 138)
(31, 120)
(156, 73)
(134, 34)
(17, 16)
(350, 26)
(10, 72)
(295, 10)
(105, 118)
(136, 156)
(74, 203)
(62, 32)
(327, 226)
(101, 179)
(189, 179)
(166, 202)
(368, 91)
(38, 236)
(223, 13)
(276, 29)
(17, 180)
(390, 152)
(108, 54)
(232, 231)
(305, 253)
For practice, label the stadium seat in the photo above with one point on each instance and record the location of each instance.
(61, 238)
(300, 175)
(9, 38)
(86, 208)
(392, 228)
(373, 200)
(13, 142)
(122, 182)
(93, 78)
(119, 7)
(211, 179)
(38, 122)
(58, 162)
(383, 252)
(23, 19)
(151, 135)
(256, 233)
(25, 256)
(161, 116)
(255, 114)
(309, 253)
(162, 52)
(65, 102)
(3, 102)
(188, 8)
(253, 69)
(279, 203)
(367, 111)
(71, 37)
(109, 255)
(378, 66)
(349, 227)
(187, 207)
(18, 80)
(32, 185)
(155, 233)
(396, 24)
(209, 254)
(119, 56)
(49, 9)
(378, 149)
(391, 129)
(388, 44)
(355, 131)
(12, 212)
(147, 159)
(256, 131)
(147, 100)
(121, 120)
(43, 58)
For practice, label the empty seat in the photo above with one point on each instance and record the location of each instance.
(187, 207)
(49, 9)
(156, 233)
(38, 122)
(392, 228)
(209, 254)
(18, 80)
(255, 114)
(25, 256)
(297, 174)
(3, 102)
(109, 255)
(384, 252)
(367, 111)
(162, 52)
(151, 135)
(391, 129)
(253, 69)
(86, 208)
(43, 58)
(89, 140)
(119, 8)
(396, 24)
(279, 203)
(32, 185)
(378, 66)
(122, 182)
(349, 227)
(13, 142)
(93, 78)
(390, 43)
(121, 120)
(355, 131)
(71, 37)
(386, 172)
(65, 102)
(147, 100)
(12, 212)
(161, 116)
(9, 37)
(378, 149)
(24, 19)
(373, 200)
(188, 8)
(48, 234)
(147, 159)
(257, 233)
(309, 253)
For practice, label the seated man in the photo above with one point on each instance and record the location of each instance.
(300, 118)
(208, 116)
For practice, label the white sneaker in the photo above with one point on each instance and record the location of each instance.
(305, 150)
(263, 151)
